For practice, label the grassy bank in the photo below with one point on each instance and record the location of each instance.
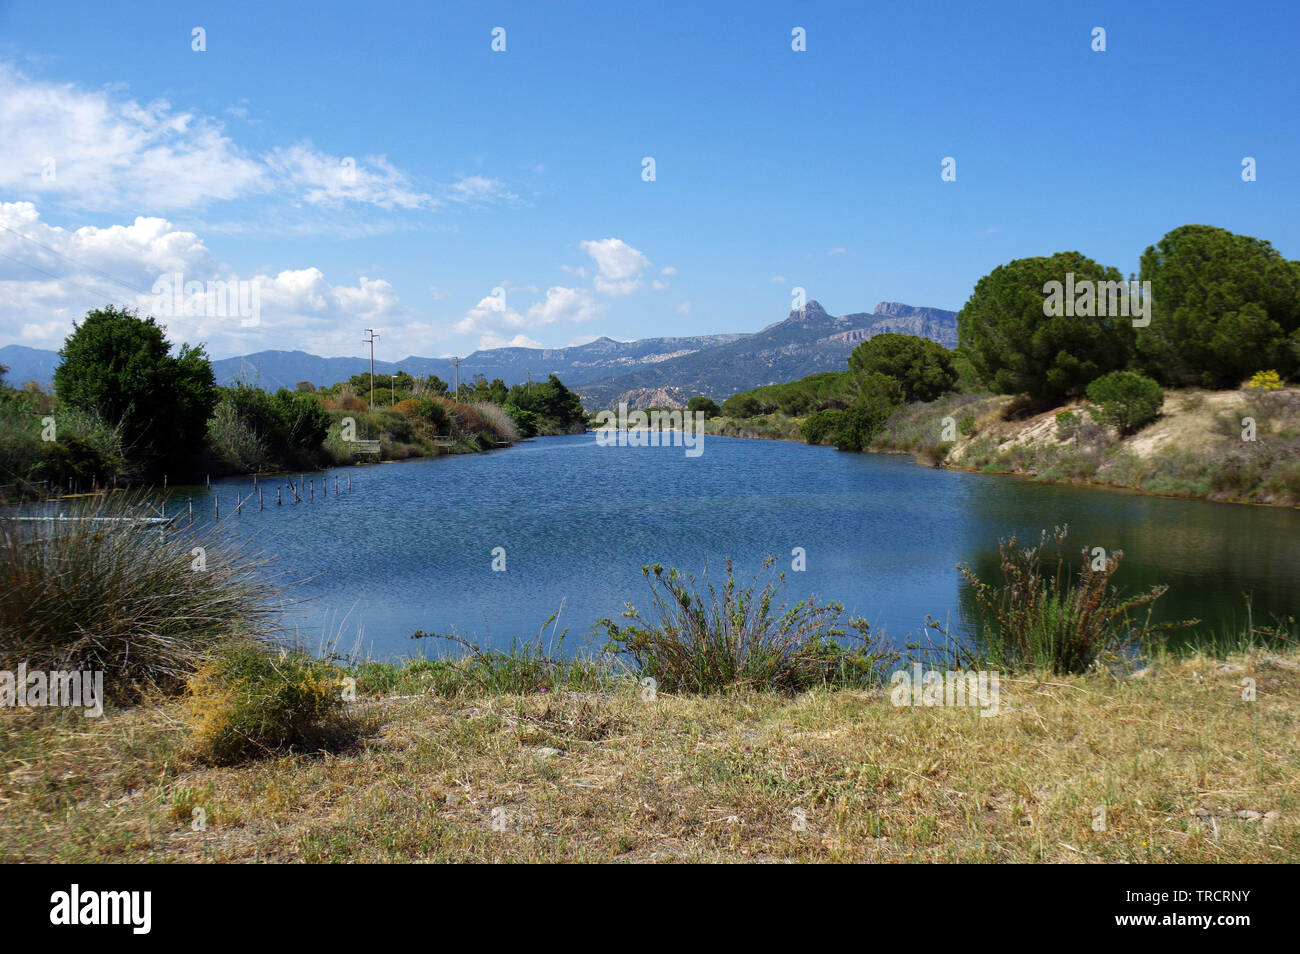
(1185, 769)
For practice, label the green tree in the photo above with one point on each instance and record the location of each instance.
(820, 428)
(1015, 348)
(1128, 400)
(741, 405)
(557, 408)
(878, 397)
(794, 402)
(120, 367)
(1224, 306)
(923, 367)
(707, 405)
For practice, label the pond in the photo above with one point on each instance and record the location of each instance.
(413, 545)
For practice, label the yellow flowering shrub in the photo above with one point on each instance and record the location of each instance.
(1266, 381)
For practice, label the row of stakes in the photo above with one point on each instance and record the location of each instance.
(295, 489)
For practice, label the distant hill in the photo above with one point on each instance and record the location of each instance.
(809, 340)
(29, 364)
(602, 371)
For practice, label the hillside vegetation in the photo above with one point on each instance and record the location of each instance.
(1184, 391)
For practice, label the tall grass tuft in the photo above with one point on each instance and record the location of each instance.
(714, 640)
(1043, 619)
(498, 421)
(104, 593)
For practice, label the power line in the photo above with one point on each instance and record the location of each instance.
(67, 258)
(57, 278)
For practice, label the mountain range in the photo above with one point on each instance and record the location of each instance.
(663, 371)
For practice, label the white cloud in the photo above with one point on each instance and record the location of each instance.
(99, 150)
(668, 270)
(122, 263)
(94, 150)
(779, 279)
(564, 304)
(684, 308)
(492, 340)
(496, 314)
(619, 266)
(322, 179)
(476, 189)
(838, 250)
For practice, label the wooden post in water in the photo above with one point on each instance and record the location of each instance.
(349, 483)
(209, 479)
(239, 504)
(260, 505)
(216, 507)
(336, 485)
(191, 511)
(278, 499)
(164, 481)
(313, 488)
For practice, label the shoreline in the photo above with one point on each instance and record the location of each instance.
(1185, 454)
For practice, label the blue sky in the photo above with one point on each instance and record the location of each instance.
(521, 170)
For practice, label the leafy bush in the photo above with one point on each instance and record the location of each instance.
(235, 442)
(410, 408)
(248, 700)
(84, 449)
(1127, 400)
(558, 409)
(251, 429)
(1067, 424)
(98, 593)
(966, 426)
(821, 427)
(739, 639)
(434, 414)
(878, 398)
(1037, 619)
(525, 421)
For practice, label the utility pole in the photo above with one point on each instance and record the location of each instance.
(455, 395)
(370, 339)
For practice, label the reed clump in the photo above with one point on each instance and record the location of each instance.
(100, 591)
(707, 639)
(1041, 618)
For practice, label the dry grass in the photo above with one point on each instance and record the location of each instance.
(1174, 757)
